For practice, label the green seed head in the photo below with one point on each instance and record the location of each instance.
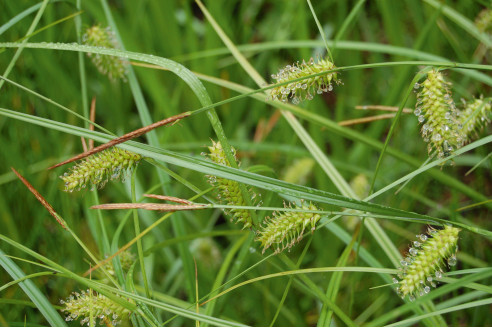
(285, 229)
(207, 252)
(86, 303)
(307, 88)
(438, 115)
(114, 67)
(426, 261)
(475, 116)
(126, 257)
(361, 186)
(97, 169)
(299, 171)
(228, 190)
(483, 22)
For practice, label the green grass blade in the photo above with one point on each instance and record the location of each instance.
(463, 22)
(41, 302)
(18, 52)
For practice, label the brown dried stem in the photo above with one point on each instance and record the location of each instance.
(124, 138)
(169, 198)
(41, 199)
(148, 206)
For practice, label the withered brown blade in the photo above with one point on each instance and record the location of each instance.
(123, 138)
(41, 199)
(148, 206)
(169, 198)
(92, 117)
(366, 119)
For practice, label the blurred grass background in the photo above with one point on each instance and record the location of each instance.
(178, 30)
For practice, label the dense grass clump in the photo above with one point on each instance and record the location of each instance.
(349, 111)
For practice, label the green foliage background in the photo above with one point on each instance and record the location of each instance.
(270, 34)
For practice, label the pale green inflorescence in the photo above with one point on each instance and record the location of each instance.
(307, 88)
(97, 169)
(285, 229)
(426, 261)
(85, 304)
(206, 251)
(436, 111)
(228, 190)
(126, 258)
(299, 171)
(483, 22)
(475, 115)
(114, 67)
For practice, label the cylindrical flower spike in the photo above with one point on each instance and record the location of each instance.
(438, 115)
(307, 88)
(475, 116)
(114, 67)
(483, 22)
(85, 304)
(285, 229)
(97, 169)
(126, 257)
(228, 190)
(425, 262)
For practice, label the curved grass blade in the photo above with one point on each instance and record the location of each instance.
(41, 302)
(263, 182)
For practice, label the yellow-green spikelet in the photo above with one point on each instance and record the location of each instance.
(126, 259)
(483, 21)
(114, 67)
(97, 169)
(86, 303)
(285, 229)
(438, 115)
(307, 88)
(228, 190)
(475, 116)
(426, 260)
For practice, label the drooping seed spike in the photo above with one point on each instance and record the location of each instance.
(475, 116)
(114, 67)
(483, 22)
(228, 190)
(437, 110)
(435, 252)
(306, 88)
(97, 169)
(285, 229)
(99, 306)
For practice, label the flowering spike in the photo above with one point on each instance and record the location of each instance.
(85, 304)
(285, 229)
(427, 261)
(474, 117)
(304, 89)
(437, 112)
(299, 171)
(97, 169)
(229, 191)
(114, 67)
(483, 22)
(126, 257)
(206, 251)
